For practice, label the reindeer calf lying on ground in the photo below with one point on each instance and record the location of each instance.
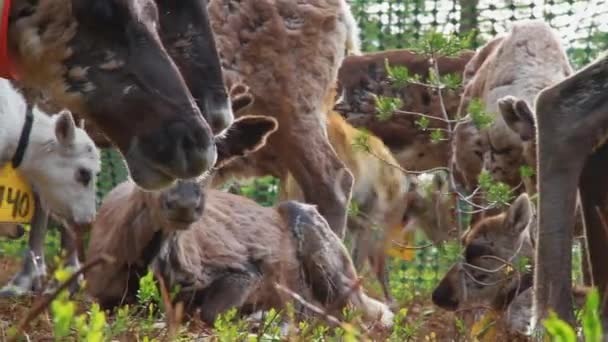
(222, 249)
(59, 161)
(382, 194)
(497, 269)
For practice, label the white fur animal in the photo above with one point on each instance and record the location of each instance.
(60, 161)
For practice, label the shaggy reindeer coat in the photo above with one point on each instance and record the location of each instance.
(363, 77)
(236, 251)
(288, 52)
(521, 63)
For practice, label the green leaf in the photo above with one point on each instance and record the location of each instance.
(592, 325)
(479, 117)
(386, 106)
(559, 330)
(526, 171)
(361, 140)
(437, 136)
(423, 123)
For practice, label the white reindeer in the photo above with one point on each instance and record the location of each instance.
(59, 161)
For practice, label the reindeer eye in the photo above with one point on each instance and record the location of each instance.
(83, 176)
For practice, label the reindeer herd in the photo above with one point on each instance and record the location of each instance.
(194, 93)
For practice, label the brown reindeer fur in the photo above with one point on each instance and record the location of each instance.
(362, 77)
(379, 191)
(11, 230)
(572, 155)
(509, 236)
(224, 250)
(387, 199)
(288, 52)
(521, 63)
(42, 55)
(234, 236)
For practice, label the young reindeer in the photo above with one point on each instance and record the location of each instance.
(496, 272)
(387, 199)
(33, 269)
(222, 249)
(263, 43)
(57, 158)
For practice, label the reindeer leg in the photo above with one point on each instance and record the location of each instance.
(360, 243)
(68, 244)
(594, 196)
(572, 118)
(33, 269)
(324, 179)
(378, 260)
(229, 291)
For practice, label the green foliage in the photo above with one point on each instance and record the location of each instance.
(63, 311)
(526, 171)
(423, 122)
(353, 209)
(479, 117)
(361, 140)
(386, 106)
(451, 81)
(592, 324)
(400, 75)
(434, 44)
(121, 322)
(271, 330)
(229, 328)
(497, 193)
(523, 264)
(559, 330)
(460, 326)
(148, 292)
(437, 136)
(263, 190)
(93, 330)
(403, 331)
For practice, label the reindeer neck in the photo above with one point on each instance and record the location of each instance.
(40, 141)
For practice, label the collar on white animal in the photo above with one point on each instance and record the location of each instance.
(7, 68)
(24, 139)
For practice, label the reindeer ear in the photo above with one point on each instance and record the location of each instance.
(246, 135)
(519, 214)
(518, 116)
(65, 128)
(81, 124)
(240, 97)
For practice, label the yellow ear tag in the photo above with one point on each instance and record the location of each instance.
(402, 239)
(16, 197)
(485, 328)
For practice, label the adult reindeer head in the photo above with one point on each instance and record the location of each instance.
(187, 35)
(106, 61)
